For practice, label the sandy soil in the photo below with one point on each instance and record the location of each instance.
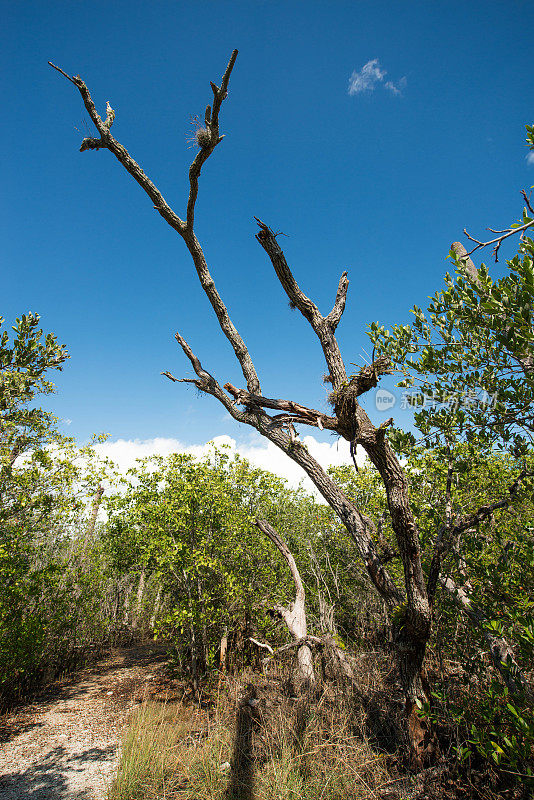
(63, 745)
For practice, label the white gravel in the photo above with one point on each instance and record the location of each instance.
(63, 746)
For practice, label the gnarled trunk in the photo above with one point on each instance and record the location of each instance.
(421, 736)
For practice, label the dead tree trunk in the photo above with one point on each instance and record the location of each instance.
(294, 615)
(94, 513)
(139, 600)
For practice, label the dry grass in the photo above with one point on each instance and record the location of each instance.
(278, 749)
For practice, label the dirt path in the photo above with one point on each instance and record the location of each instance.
(63, 745)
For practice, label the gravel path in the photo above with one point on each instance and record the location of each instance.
(64, 744)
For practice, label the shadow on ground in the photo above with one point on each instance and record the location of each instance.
(241, 784)
(57, 776)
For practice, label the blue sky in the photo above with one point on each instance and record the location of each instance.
(378, 180)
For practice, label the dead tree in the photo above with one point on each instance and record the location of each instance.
(413, 602)
(294, 615)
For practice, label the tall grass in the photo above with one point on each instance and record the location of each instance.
(280, 750)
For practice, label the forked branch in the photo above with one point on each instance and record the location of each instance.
(185, 229)
(107, 141)
(324, 327)
(207, 138)
(359, 526)
(500, 238)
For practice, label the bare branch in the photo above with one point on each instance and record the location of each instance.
(504, 234)
(324, 327)
(107, 141)
(267, 238)
(486, 512)
(68, 77)
(296, 412)
(260, 644)
(171, 377)
(277, 540)
(339, 306)
(297, 643)
(204, 376)
(222, 92)
(207, 138)
(226, 324)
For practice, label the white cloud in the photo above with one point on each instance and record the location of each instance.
(261, 453)
(370, 75)
(366, 79)
(396, 88)
(530, 158)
